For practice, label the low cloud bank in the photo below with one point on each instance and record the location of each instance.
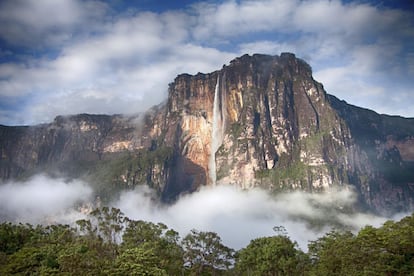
(42, 199)
(237, 216)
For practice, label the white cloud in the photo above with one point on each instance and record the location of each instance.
(355, 21)
(43, 22)
(42, 199)
(102, 86)
(322, 29)
(371, 78)
(232, 18)
(236, 215)
(239, 216)
(124, 70)
(266, 46)
(103, 60)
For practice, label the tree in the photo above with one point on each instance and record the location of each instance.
(276, 255)
(387, 250)
(204, 251)
(39, 253)
(13, 237)
(110, 223)
(139, 232)
(328, 254)
(104, 230)
(138, 261)
(87, 255)
(162, 241)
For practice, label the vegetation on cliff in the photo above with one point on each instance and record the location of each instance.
(130, 169)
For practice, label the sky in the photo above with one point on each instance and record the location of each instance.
(60, 57)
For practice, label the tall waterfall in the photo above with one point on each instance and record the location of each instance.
(216, 133)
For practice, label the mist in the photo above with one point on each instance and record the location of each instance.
(42, 199)
(238, 216)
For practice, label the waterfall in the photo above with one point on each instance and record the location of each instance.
(216, 133)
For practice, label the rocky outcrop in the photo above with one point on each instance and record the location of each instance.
(266, 106)
(281, 131)
(259, 121)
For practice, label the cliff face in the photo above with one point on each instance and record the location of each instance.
(260, 121)
(264, 121)
(111, 152)
(388, 144)
(81, 137)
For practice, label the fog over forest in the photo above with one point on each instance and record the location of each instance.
(237, 216)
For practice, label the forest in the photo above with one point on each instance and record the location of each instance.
(109, 243)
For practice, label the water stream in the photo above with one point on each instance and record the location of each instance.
(216, 133)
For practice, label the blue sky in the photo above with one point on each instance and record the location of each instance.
(70, 56)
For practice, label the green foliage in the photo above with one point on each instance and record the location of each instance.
(115, 172)
(95, 248)
(313, 143)
(138, 261)
(86, 256)
(204, 253)
(327, 253)
(110, 223)
(162, 241)
(281, 175)
(111, 176)
(13, 237)
(296, 171)
(276, 255)
(388, 250)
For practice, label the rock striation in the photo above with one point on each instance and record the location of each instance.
(260, 121)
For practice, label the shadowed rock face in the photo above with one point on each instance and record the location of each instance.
(278, 130)
(81, 137)
(388, 144)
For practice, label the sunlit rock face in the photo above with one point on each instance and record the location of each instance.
(189, 118)
(260, 121)
(282, 121)
(281, 131)
(278, 130)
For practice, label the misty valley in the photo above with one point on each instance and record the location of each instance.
(59, 227)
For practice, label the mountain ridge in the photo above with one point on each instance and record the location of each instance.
(279, 130)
